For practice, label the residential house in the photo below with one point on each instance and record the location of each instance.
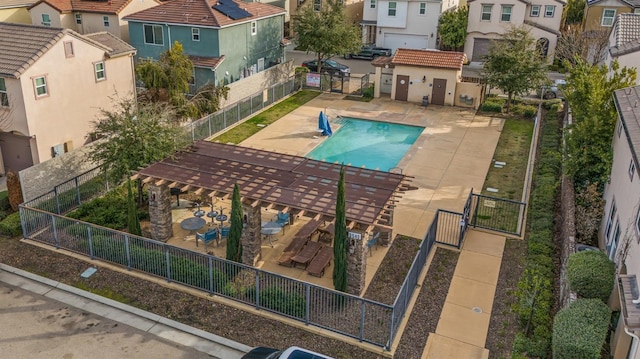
(599, 15)
(489, 20)
(53, 84)
(352, 8)
(401, 24)
(422, 75)
(88, 16)
(15, 11)
(620, 229)
(226, 40)
(624, 42)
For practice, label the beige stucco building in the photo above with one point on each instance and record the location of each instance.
(15, 11)
(600, 14)
(88, 16)
(489, 20)
(53, 84)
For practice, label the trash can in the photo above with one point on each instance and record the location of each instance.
(425, 101)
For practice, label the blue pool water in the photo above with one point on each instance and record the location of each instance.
(371, 144)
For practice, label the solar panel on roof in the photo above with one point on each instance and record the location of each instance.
(231, 9)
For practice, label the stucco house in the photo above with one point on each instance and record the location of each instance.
(88, 16)
(619, 233)
(353, 9)
(401, 24)
(601, 14)
(412, 75)
(226, 40)
(489, 20)
(53, 84)
(624, 42)
(15, 11)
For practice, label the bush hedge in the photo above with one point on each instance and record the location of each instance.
(535, 300)
(579, 331)
(11, 225)
(108, 211)
(526, 111)
(491, 106)
(591, 274)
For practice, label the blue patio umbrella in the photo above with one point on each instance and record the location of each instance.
(324, 125)
(321, 122)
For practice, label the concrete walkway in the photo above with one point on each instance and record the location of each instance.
(464, 321)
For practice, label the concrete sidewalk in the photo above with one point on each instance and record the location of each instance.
(464, 321)
(35, 325)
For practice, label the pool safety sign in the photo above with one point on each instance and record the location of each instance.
(313, 80)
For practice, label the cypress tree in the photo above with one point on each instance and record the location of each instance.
(133, 223)
(234, 247)
(340, 239)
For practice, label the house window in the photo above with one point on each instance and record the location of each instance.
(486, 13)
(549, 10)
(636, 10)
(505, 15)
(4, 97)
(535, 11)
(392, 8)
(612, 215)
(423, 8)
(612, 246)
(254, 27)
(372, 4)
(632, 169)
(619, 128)
(99, 69)
(153, 35)
(638, 224)
(46, 20)
(317, 5)
(607, 17)
(68, 49)
(40, 85)
(195, 34)
(105, 21)
(79, 19)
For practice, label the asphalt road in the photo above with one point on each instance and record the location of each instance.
(357, 66)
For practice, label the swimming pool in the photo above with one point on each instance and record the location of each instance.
(373, 144)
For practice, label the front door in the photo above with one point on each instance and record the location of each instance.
(16, 151)
(402, 88)
(438, 92)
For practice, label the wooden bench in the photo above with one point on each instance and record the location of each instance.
(306, 254)
(308, 229)
(320, 262)
(292, 249)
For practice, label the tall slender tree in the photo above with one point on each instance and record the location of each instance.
(340, 239)
(133, 222)
(234, 247)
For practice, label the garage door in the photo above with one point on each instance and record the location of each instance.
(480, 49)
(395, 41)
(16, 151)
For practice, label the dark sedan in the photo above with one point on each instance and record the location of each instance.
(330, 66)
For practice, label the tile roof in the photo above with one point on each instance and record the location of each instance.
(97, 6)
(201, 13)
(627, 102)
(21, 45)
(7, 4)
(429, 58)
(382, 61)
(116, 46)
(208, 62)
(626, 34)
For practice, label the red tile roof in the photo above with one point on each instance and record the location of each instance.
(97, 6)
(208, 62)
(429, 58)
(201, 13)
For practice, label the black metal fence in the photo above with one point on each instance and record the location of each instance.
(497, 214)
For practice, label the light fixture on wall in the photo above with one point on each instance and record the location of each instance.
(379, 31)
(432, 34)
(424, 79)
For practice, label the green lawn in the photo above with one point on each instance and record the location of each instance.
(250, 127)
(512, 148)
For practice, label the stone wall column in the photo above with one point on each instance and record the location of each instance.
(160, 212)
(356, 262)
(251, 239)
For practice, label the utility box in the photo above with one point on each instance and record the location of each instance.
(425, 101)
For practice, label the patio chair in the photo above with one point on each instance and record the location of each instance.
(373, 241)
(224, 232)
(320, 262)
(282, 218)
(292, 249)
(208, 237)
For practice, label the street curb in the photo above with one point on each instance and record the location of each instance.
(147, 322)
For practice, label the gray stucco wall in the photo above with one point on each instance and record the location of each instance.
(258, 82)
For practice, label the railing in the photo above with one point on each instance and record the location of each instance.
(451, 227)
(498, 214)
(355, 317)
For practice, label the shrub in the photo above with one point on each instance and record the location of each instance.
(4, 201)
(526, 111)
(591, 274)
(284, 302)
(108, 211)
(579, 331)
(589, 209)
(490, 106)
(11, 225)
(14, 190)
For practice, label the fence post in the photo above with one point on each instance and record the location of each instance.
(55, 231)
(306, 305)
(78, 191)
(475, 210)
(211, 284)
(168, 261)
(126, 246)
(209, 119)
(362, 320)
(90, 242)
(391, 331)
(55, 194)
(23, 222)
(237, 111)
(257, 290)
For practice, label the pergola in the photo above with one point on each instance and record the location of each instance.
(289, 183)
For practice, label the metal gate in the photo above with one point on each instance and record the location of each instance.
(496, 214)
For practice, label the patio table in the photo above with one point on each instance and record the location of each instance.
(269, 229)
(192, 224)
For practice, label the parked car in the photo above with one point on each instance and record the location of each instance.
(331, 66)
(554, 90)
(369, 53)
(289, 353)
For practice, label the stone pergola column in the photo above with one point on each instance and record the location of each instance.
(251, 239)
(356, 262)
(160, 212)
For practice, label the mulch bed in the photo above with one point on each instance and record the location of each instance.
(503, 324)
(426, 312)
